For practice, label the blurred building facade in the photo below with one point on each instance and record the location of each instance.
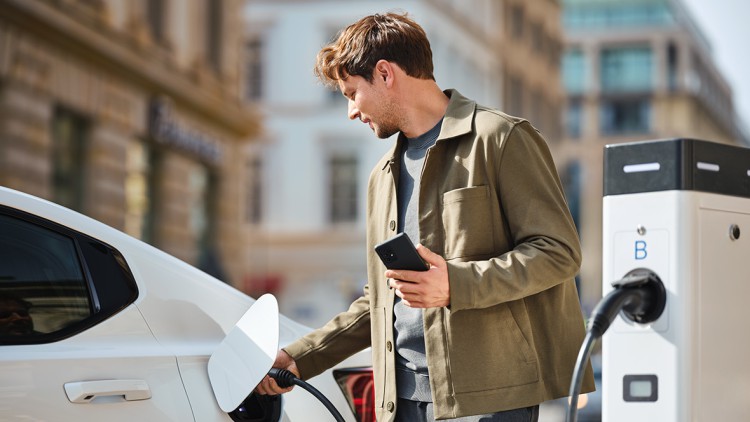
(310, 171)
(633, 70)
(131, 112)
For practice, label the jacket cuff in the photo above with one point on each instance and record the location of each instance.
(297, 350)
(461, 297)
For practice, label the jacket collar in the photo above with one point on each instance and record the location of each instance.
(458, 117)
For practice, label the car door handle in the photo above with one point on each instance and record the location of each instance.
(87, 391)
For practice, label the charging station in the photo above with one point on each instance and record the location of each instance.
(680, 209)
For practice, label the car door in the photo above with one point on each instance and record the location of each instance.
(73, 346)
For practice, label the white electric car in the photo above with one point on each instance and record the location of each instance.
(96, 325)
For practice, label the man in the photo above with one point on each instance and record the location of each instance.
(493, 328)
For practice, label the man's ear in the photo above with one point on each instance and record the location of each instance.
(385, 71)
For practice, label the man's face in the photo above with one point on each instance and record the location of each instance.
(371, 104)
(14, 318)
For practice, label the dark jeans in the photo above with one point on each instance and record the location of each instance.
(417, 411)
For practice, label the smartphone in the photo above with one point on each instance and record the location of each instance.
(399, 253)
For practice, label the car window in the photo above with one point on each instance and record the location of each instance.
(56, 282)
(42, 285)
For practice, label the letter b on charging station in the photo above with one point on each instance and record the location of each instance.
(634, 251)
(640, 250)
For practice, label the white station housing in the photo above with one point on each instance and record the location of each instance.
(680, 208)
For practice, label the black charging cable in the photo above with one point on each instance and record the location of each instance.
(285, 379)
(640, 296)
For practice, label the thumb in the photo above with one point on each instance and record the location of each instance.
(429, 256)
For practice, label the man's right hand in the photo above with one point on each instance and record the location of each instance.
(268, 386)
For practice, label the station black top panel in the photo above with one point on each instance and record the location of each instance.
(676, 164)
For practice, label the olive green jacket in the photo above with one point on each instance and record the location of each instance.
(492, 205)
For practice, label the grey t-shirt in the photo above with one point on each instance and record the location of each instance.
(411, 362)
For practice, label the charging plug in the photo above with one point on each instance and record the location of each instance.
(640, 296)
(649, 298)
(283, 377)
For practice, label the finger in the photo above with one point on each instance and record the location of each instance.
(415, 305)
(268, 386)
(414, 302)
(431, 257)
(402, 275)
(405, 287)
(399, 293)
(263, 388)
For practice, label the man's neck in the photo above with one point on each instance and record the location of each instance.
(424, 106)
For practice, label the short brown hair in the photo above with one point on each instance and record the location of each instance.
(393, 37)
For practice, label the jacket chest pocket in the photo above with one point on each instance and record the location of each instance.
(468, 222)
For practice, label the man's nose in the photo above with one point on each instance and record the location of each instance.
(352, 110)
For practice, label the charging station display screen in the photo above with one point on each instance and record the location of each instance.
(640, 388)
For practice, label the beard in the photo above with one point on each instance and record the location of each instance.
(390, 121)
(385, 131)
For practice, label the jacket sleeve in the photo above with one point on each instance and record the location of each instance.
(546, 250)
(344, 335)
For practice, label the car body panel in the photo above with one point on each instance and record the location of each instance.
(164, 338)
(34, 376)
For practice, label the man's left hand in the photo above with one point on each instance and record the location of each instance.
(423, 289)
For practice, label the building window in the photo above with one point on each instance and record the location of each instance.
(69, 133)
(626, 69)
(625, 116)
(343, 188)
(138, 190)
(515, 96)
(517, 22)
(254, 193)
(573, 184)
(156, 178)
(214, 29)
(616, 14)
(537, 111)
(143, 175)
(202, 189)
(156, 14)
(537, 37)
(198, 193)
(574, 71)
(254, 69)
(672, 67)
(574, 119)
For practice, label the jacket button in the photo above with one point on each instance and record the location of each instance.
(393, 225)
(390, 406)
(389, 346)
